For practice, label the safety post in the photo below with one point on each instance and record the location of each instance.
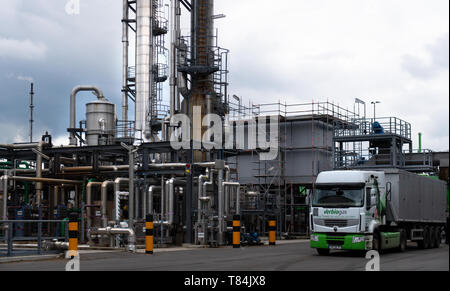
(73, 234)
(236, 231)
(272, 231)
(149, 233)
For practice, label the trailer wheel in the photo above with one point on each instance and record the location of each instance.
(323, 252)
(426, 242)
(432, 237)
(403, 242)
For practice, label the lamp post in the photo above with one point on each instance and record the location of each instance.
(359, 101)
(375, 109)
(239, 102)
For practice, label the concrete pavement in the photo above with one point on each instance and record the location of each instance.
(293, 256)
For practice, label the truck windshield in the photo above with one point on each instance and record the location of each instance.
(339, 196)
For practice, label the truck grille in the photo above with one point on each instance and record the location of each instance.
(335, 222)
(335, 239)
(335, 242)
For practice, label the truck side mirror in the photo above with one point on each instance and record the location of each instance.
(373, 197)
(389, 191)
(368, 198)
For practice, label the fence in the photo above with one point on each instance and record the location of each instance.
(8, 236)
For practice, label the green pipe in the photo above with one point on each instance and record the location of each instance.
(420, 142)
(63, 227)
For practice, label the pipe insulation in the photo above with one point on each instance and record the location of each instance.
(73, 107)
(144, 68)
(131, 247)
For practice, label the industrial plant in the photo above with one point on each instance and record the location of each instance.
(118, 173)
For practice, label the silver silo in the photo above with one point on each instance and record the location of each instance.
(100, 123)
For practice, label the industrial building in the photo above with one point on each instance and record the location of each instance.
(116, 171)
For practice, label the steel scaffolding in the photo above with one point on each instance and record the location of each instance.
(279, 187)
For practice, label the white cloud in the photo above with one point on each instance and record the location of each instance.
(24, 78)
(294, 50)
(61, 141)
(22, 49)
(300, 50)
(12, 133)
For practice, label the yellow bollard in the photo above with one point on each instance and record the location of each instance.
(272, 231)
(236, 231)
(149, 233)
(73, 234)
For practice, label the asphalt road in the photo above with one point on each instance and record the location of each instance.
(288, 257)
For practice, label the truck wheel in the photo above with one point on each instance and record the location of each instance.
(403, 242)
(426, 238)
(323, 252)
(432, 237)
(437, 237)
(376, 243)
(422, 244)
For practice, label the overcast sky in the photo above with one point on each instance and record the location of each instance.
(396, 52)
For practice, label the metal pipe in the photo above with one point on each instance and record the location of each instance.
(200, 195)
(171, 199)
(100, 168)
(178, 36)
(39, 146)
(55, 196)
(28, 171)
(182, 78)
(73, 107)
(4, 179)
(19, 146)
(227, 191)
(221, 206)
(238, 193)
(89, 187)
(117, 183)
(104, 201)
(181, 165)
(144, 67)
(46, 180)
(67, 160)
(131, 189)
(131, 247)
(151, 192)
(31, 111)
(125, 44)
(39, 173)
(173, 60)
(55, 245)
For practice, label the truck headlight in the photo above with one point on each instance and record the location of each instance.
(358, 239)
(315, 238)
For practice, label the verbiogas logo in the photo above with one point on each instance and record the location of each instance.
(335, 212)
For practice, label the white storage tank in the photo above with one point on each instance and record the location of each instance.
(100, 123)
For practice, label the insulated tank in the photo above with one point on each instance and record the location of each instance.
(100, 123)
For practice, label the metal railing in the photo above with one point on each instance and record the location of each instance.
(213, 60)
(9, 236)
(378, 126)
(311, 110)
(370, 158)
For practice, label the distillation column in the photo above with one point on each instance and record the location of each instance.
(144, 63)
(202, 62)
